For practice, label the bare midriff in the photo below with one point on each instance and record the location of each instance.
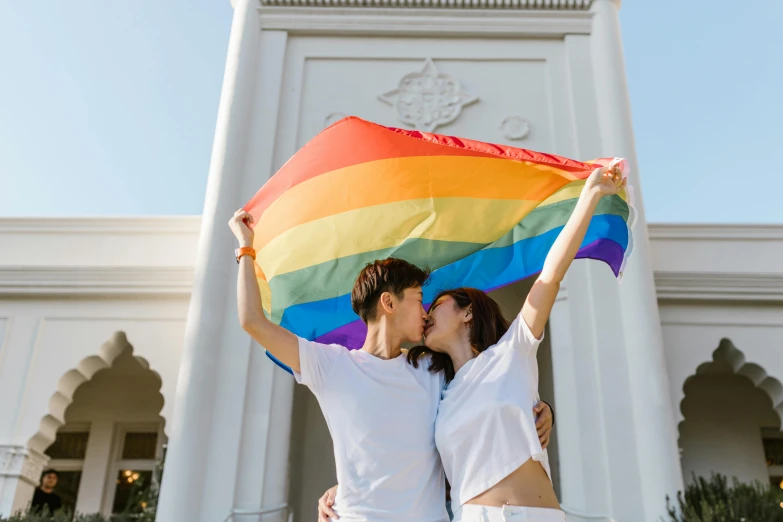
(528, 486)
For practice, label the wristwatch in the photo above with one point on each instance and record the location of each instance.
(245, 251)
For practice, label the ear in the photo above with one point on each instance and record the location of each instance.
(468, 314)
(386, 302)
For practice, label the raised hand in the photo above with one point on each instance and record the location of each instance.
(605, 181)
(240, 225)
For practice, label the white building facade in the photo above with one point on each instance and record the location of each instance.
(126, 337)
(93, 338)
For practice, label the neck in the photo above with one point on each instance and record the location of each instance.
(46, 489)
(380, 342)
(460, 352)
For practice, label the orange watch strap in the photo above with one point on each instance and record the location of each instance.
(245, 251)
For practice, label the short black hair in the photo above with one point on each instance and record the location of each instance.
(50, 471)
(386, 275)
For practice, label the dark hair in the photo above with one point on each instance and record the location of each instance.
(50, 472)
(486, 328)
(386, 275)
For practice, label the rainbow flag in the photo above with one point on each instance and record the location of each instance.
(477, 214)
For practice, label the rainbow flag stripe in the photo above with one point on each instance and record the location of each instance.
(477, 214)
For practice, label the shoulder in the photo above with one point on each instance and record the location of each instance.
(335, 350)
(519, 337)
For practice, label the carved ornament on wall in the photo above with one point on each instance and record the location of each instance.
(428, 99)
(515, 128)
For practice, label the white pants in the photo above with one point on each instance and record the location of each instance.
(475, 513)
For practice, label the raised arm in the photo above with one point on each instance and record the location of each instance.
(602, 182)
(277, 340)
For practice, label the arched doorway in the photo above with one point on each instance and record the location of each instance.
(732, 420)
(112, 436)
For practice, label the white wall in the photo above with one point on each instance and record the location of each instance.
(724, 415)
(110, 284)
(694, 331)
(54, 345)
(110, 276)
(720, 291)
(59, 314)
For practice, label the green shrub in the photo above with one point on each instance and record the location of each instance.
(65, 516)
(59, 516)
(714, 500)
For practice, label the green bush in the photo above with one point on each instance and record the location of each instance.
(59, 516)
(65, 516)
(714, 500)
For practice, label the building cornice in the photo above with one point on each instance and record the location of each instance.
(544, 5)
(483, 21)
(715, 232)
(95, 281)
(102, 225)
(719, 287)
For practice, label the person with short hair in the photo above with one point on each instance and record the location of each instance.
(44, 498)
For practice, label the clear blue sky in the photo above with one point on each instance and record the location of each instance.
(108, 107)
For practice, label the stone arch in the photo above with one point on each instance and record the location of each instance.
(728, 405)
(728, 355)
(71, 381)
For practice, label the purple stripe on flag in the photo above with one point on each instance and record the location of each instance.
(605, 250)
(350, 335)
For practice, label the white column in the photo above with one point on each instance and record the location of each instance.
(654, 418)
(264, 446)
(231, 405)
(20, 468)
(97, 462)
(20, 473)
(17, 352)
(616, 431)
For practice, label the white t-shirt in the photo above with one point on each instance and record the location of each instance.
(381, 415)
(485, 428)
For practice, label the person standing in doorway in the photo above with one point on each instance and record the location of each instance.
(44, 498)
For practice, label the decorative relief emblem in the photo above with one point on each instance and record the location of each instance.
(428, 99)
(515, 128)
